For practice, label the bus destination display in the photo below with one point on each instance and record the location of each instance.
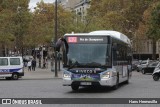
(87, 39)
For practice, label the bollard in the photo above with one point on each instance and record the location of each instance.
(59, 60)
(56, 73)
(52, 67)
(39, 62)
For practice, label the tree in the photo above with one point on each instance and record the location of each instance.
(6, 36)
(42, 25)
(120, 15)
(134, 15)
(21, 21)
(154, 27)
(6, 32)
(15, 18)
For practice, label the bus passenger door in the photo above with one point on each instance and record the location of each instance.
(117, 63)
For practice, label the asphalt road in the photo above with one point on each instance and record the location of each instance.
(140, 86)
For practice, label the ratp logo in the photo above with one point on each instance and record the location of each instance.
(6, 101)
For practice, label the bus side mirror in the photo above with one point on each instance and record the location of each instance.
(59, 44)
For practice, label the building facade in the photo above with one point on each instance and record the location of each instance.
(68, 4)
(81, 8)
(78, 6)
(143, 49)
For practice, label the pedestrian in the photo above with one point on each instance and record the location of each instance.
(29, 65)
(44, 63)
(33, 64)
(25, 62)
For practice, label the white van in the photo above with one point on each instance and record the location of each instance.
(11, 67)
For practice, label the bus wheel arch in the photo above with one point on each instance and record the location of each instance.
(75, 87)
(15, 76)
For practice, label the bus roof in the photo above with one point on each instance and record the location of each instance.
(114, 34)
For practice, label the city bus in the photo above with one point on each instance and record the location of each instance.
(98, 58)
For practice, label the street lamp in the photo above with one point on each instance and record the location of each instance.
(20, 48)
(55, 38)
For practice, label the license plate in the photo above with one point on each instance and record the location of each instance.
(86, 83)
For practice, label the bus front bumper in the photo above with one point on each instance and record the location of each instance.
(103, 82)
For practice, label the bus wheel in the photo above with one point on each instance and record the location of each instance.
(15, 76)
(75, 87)
(155, 77)
(117, 83)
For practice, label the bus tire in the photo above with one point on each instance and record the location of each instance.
(155, 77)
(15, 76)
(117, 83)
(75, 87)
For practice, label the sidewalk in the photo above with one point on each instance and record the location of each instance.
(40, 73)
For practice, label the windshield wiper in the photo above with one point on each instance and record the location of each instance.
(73, 65)
(93, 64)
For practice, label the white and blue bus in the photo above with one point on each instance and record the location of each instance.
(96, 58)
(11, 67)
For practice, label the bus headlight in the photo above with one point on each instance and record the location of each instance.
(106, 75)
(66, 75)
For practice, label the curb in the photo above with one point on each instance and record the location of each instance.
(40, 78)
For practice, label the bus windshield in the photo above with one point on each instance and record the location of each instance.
(89, 55)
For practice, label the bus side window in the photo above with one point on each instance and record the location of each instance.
(115, 52)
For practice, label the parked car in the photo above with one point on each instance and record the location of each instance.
(135, 63)
(149, 68)
(156, 73)
(142, 64)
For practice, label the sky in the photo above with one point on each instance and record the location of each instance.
(32, 3)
